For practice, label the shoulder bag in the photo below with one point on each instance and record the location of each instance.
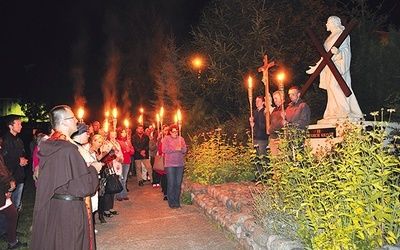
(113, 184)
(159, 163)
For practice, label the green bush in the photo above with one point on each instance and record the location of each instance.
(345, 196)
(214, 159)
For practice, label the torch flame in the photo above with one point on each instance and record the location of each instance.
(80, 113)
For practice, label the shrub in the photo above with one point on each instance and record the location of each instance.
(214, 159)
(345, 196)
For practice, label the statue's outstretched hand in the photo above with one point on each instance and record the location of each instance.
(311, 70)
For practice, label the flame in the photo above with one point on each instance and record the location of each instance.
(162, 112)
(179, 115)
(250, 80)
(80, 113)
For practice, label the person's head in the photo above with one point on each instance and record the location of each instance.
(14, 124)
(165, 130)
(41, 137)
(97, 142)
(121, 133)
(174, 130)
(81, 135)
(96, 127)
(294, 94)
(139, 129)
(333, 23)
(90, 129)
(260, 102)
(62, 119)
(277, 98)
(112, 135)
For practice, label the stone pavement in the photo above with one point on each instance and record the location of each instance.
(146, 222)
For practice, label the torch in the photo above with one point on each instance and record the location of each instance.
(80, 115)
(114, 119)
(281, 86)
(250, 93)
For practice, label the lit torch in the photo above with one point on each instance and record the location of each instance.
(115, 119)
(80, 115)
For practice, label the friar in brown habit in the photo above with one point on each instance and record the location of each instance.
(60, 216)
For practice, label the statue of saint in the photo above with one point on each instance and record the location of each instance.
(338, 107)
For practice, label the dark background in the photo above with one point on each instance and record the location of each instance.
(42, 41)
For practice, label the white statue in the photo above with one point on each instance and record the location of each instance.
(338, 107)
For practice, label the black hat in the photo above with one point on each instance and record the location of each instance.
(82, 128)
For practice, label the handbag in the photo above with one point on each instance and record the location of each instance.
(159, 163)
(112, 185)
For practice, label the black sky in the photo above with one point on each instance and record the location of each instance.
(42, 41)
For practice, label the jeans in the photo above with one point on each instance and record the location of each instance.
(123, 179)
(16, 195)
(174, 179)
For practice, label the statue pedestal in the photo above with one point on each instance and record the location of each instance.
(320, 136)
(338, 120)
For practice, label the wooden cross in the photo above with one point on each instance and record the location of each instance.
(264, 69)
(327, 60)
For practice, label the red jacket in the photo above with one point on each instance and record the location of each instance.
(127, 150)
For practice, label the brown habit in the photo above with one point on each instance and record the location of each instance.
(61, 224)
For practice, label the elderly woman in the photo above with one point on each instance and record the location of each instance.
(174, 148)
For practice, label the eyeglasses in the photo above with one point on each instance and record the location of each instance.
(174, 131)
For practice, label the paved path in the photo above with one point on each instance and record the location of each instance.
(146, 222)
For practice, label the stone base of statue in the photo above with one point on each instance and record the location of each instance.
(338, 120)
(322, 136)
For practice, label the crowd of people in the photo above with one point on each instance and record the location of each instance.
(70, 167)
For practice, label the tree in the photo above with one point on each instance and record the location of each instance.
(36, 111)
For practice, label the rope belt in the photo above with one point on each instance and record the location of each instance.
(66, 197)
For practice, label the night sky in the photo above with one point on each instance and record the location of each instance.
(42, 41)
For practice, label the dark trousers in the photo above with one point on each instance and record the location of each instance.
(164, 183)
(156, 177)
(108, 201)
(11, 215)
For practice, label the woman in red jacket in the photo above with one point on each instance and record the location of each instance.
(127, 151)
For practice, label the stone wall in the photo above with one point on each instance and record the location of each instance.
(230, 206)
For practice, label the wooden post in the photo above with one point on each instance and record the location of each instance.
(264, 70)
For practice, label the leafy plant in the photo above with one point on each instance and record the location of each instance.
(215, 158)
(346, 196)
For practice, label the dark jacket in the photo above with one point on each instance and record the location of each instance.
(13, 149)
(139, 144)
(260, 132)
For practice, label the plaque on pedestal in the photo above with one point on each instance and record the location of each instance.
(320, 134)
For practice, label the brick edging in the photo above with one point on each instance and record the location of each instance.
(234, 217)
